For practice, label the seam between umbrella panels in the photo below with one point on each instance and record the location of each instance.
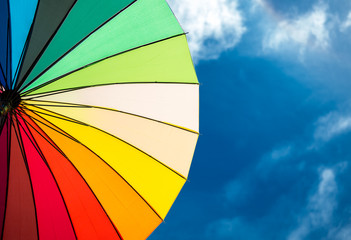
(92, 63)
(122, 112)
(2, 123)
(8, 122)
(69, 50)
(29, 70)
(8, 44)
(31, 117)
(2, 73)
(62, 118)
(19, 139)
(45, 162)
(53, 92)
(47, 138)
(105, 163)
(73, 105)
(87, 125)
(25, 47)
(19, 62)
(108, 167)
(72, 120)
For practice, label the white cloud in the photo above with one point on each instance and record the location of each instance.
(213, 26)
(320, 207)
(332, 125)
(323, 202)
(308, 31)
(346, 24)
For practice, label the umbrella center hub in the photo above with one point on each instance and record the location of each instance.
(9, 101)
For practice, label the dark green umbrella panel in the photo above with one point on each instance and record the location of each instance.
(99, 117)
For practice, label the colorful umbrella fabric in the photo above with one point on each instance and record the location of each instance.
(99, 107)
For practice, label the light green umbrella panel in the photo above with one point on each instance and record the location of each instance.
(164, 61)
(99, 123)
(142, 23)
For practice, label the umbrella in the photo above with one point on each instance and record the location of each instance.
(98, 117)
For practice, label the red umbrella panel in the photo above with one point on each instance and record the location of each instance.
(99, 117)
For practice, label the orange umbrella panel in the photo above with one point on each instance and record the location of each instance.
(99, 117)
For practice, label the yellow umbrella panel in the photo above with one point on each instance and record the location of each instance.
(100, 124)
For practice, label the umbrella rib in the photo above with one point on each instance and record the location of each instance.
(60, 118)
(19, 138)
(2, 72)
(33, 118)
(47, 138)
(109, 109)
(68, 120)
(64, 106)
(112, 170)
(87, 125)
(115, 136)
(44, 48)
(92, 63)
(24, 50)
(2, 123)
(48, 94)
(8, 43)
(8, 122)
(47, 165)
(27, 123)
(79, 42)
(9, 46)
(54, 92)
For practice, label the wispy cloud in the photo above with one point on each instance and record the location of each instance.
(213, 26)
(238, 190)
(276, 156)
(346, 24)
(340, 233)
(281, 152)
(320, 207)
(332, 125)
(307, 31)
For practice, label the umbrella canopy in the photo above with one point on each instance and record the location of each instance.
(99, 110)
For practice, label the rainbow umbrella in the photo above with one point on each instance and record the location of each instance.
(98, 117)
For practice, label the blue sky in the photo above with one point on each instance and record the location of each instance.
(273, 158)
